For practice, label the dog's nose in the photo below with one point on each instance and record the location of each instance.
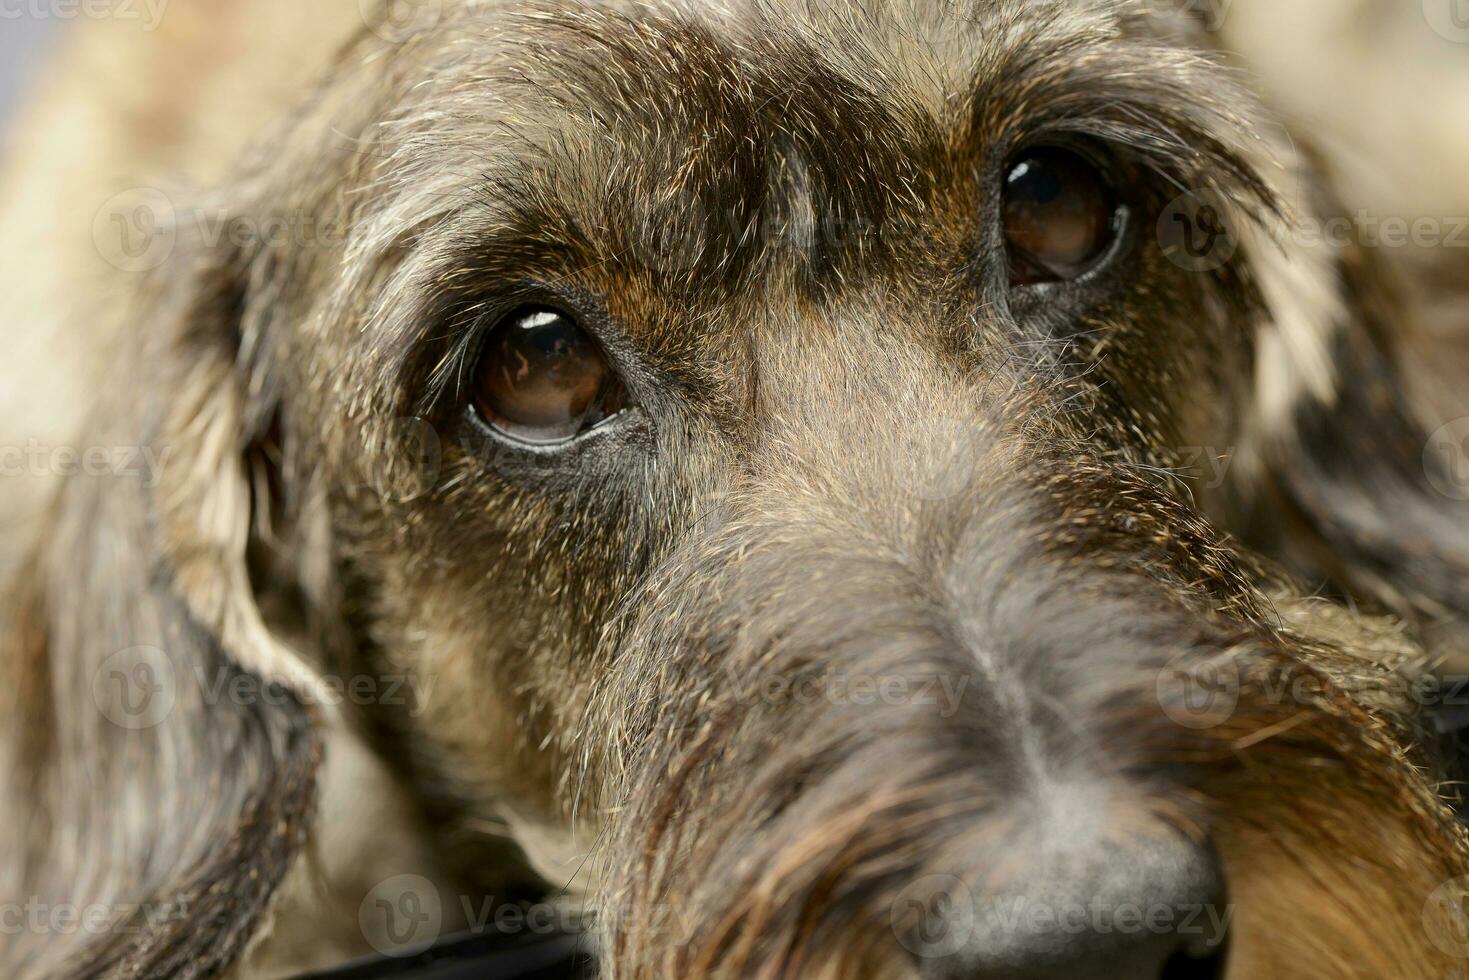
(1156, 911)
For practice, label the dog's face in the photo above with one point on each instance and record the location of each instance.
(770, 438)
(890, 317)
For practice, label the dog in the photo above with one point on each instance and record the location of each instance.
(825, 488)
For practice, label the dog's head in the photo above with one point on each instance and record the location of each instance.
(778, 447)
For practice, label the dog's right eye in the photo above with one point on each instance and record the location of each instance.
(1060, 216)
(542, 379)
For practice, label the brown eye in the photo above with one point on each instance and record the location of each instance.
(542, 379)
(1059, 213)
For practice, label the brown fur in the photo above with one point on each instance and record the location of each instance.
(856, 453)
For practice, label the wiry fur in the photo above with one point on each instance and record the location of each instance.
(855, 450)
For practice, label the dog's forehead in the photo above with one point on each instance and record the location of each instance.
(741, 126)
(685, 153)
(678, 70)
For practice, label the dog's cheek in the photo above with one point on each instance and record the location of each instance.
(485, 704)
(1166, 364)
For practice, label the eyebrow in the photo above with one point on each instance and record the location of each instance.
(1179, 112)
(1175, 110)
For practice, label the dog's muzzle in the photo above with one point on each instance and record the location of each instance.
(1141, 910)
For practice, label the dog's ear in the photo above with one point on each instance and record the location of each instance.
(1353, 470)
(1357, 480)
(1351, 465)
(167, 736)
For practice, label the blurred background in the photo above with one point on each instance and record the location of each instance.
(23, 43)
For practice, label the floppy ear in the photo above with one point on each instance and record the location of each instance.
(1352, 466)
(1357, 482)
(1351, 463)
(1343, 468)
(1355, 472)
(166, 747)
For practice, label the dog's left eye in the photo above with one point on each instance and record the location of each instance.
(542, 379)
(1060, 215)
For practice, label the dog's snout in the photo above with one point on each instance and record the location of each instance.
(1154, 910)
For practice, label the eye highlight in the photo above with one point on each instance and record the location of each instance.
(1060, 215)
(542, 379)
